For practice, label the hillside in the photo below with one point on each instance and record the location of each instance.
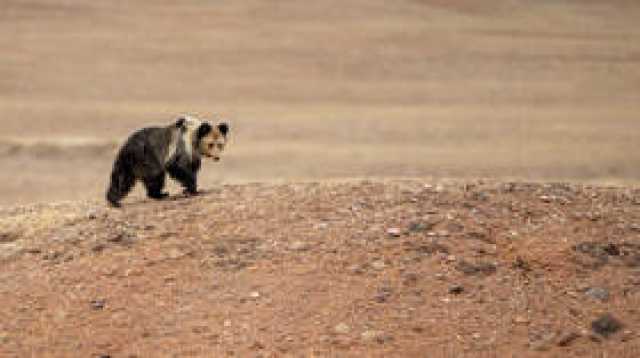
(382, 268)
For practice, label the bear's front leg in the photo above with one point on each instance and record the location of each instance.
(186, 177)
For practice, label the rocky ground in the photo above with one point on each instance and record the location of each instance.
(388, 268)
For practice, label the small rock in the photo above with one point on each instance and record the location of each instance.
(378, 265)
(298, 246)
(393, 232)
(357, 269)
(598, 293)
(175, 254)
(479, 268)
(92, 214)
(546, 198)
(451, 258)
(254, 294)
(410, 279)
(520, 319)
(342, 328)
(606, 325)
(568, 338)
(543, 343)
(377, 336)
(98, 304)
(369, 335)
(226, 323)
(383, 294)
(456, 289)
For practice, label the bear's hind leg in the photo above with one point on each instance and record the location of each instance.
(122, 180)
(155, 185)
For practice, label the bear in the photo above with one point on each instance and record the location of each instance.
(152, 152)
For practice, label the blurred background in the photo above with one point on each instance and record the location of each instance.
(322, 90)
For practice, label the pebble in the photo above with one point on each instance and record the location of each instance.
(606, 325)
(378, 265)
(568, 338)
(394, 232)
(298, 246)
(520, 320)
(254, 294)
(377, 336)
(598, 293)
(98, 304)
(342, 328)
(456, 289)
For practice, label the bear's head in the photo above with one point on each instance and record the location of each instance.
(211, 140)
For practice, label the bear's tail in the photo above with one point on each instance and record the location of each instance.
(122, 179)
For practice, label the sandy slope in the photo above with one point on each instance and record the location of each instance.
(318, 269)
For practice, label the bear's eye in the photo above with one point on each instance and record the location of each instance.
(210, 145)
(220, 145)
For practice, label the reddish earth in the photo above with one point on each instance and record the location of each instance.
(395, 268)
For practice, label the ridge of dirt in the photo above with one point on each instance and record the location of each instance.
(393, 268)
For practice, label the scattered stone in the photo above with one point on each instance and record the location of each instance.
(383, 294)
(568, 338)
(375, 336)
(378, 265)
(342, 328)
(254, 294)
(298, 246)
(92, 214)
(606, 325)
(546, 198)
(357, 269)
(175, 254)
(369, 335)
(394, 232)
(611, 249)
(454, 227)
(543, 342)
(519, 319)
(98, 304)
(521, 264)
(598, 293)
(456, 289)
(410, 279)
(51, 255)
(479, 268)
(226, 323)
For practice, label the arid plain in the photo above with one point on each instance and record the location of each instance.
(326, 90)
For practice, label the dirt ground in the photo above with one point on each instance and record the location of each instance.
(395, 268)
(390, 189)
(544, 90)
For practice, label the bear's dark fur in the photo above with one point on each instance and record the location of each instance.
(150, 153)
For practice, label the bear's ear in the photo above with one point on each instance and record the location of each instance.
(223, 128)
(204, 129)
(180, 122)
